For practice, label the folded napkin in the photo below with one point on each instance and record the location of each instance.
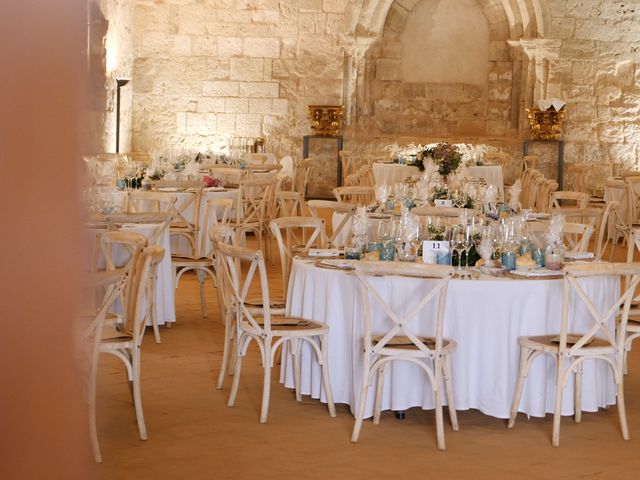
(324, 252)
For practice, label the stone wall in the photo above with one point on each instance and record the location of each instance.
(208, 70)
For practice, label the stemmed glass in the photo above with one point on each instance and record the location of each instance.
(467, 242)
(458, 243)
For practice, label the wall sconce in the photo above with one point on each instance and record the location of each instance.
(120, 82)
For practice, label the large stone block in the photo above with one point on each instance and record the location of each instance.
(280, 106)
(258, 89)
(226, 123)
(211, 105)
(220, 89)
(229, 46)
(246, 69)
(217, 68)
(180, 46)
(236, 105)
(334, 6)
(260, 105)
(388, 69)
(261, 47)
(248, 125)
(310, 5)
(205, 45)
(201, 123)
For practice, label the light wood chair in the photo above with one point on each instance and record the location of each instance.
(355, 195)
(601, 341)
(150, 202)
(575, 235)
(347, 163)
(254, 196)
(229, 176)
(341, 232)
(112, 285)
(269, 332)
(217, 214)
(289, 204)
(302, 174)
(561, 199)
(397, 341)
(596, 216)
(295, 235)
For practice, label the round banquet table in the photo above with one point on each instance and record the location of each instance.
(484, 316)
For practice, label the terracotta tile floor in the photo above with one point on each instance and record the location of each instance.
(193, 434)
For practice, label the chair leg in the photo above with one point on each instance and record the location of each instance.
(203, 299)
(377, 404)
(577, 395)
(557, 411)
(297, 377)
(266, 386)
(622, 411)
(364, 389)
(137, 397)
(439, 417)
(225, 355)
(93, 429)
(522, 374)
(325, 376)
(154, 322)
(236, 379)
(453, 414)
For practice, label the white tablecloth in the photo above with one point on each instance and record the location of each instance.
(485, 318)
(492, 174)
(390, 173)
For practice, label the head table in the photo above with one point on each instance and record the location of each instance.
(484, 316)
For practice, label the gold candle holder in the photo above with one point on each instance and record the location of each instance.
(545, 125)
(325, 119)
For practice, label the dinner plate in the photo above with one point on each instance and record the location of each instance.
(525, 268)
(168, 189)
(335, 264)
(578, 255)
(324, 252)
(540, 272)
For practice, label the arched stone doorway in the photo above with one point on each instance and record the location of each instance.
(517, 69)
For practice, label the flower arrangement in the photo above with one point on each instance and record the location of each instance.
(446, 156)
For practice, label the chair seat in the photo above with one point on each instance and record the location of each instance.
(189, 261)
(403, 346)
(549, 344)
(110, 334)
(283, 326)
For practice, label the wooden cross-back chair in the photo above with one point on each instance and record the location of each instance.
(397, 340)
(253, 196)
(302, 174)
(575, 235)
(150, 202)
(561, 199)
(511, 168)
(269, 331)
(341, 233)
(112, 285)
(601, 340)
(355, 195)
(295, 235)
(124, 342)
(347, 162)
(217, 214)
(289, 204)
(229, 176)
(597, 217)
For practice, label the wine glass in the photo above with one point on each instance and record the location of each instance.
(458, 243)
(467, 242)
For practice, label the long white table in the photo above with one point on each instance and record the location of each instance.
(485, 317)
(391, 173)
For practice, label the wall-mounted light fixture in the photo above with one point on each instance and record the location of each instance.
(120, 82)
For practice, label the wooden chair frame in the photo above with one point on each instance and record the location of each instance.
(340, 207)
(269, 332)
(573, 349)
(355, 195)
(381, 350)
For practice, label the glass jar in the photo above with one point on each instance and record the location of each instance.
(554, 256)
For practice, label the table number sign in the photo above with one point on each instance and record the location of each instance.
(442, 202)
(433, 250)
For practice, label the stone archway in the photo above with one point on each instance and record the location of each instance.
(521, 62)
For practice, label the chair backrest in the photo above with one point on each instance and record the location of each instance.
(228, 175)
(562, 199)
(610, 211)
(254, 195)
(295, 235)
(289, 203)
(260, 158)
(302, 175)
(603, 324)
(346, 209)
(347, 163)
(140, 302)
(256, 170)
(217, 213)
(633, 199)
(355, 195)
(575, 235)
(139, 202)
(121, 251)
(161, 220)
(430, 301)
(239, 280)
(542, 202)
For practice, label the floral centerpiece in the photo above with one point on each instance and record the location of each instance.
(445, 155)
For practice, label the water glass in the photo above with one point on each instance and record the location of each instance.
(388, 251)
(508, 259)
